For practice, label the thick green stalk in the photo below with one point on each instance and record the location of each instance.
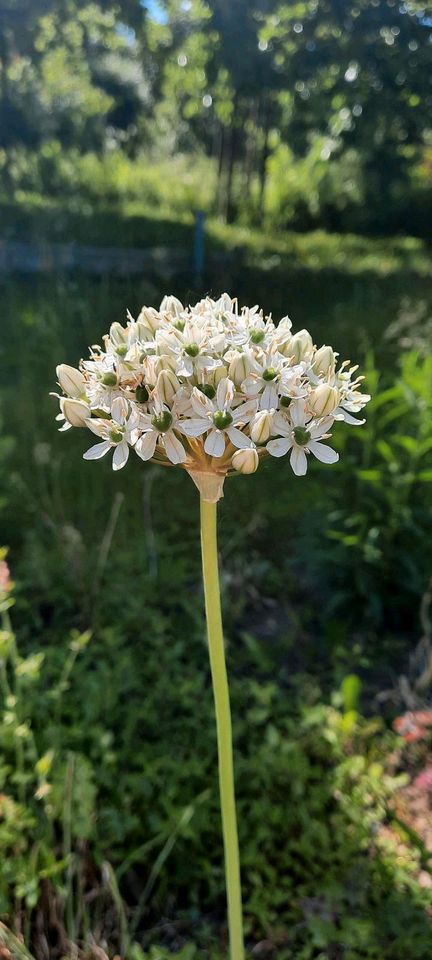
(223, 724)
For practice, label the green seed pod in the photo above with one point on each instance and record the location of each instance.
(208, 390)
(257, 336)
(301, 436)
(192, 350)
(162, 421)
(141, 394)
(222, 420)
(109, 380)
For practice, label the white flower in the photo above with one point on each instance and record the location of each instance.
(159, 428)
(264, 380)
(245, 461)
(218, 418)
(324, 361)
(301, 434)
(187, 384)
(71, 381)
(192, 348)
(167, 385)
(261, 426)
(76, 412)
(240, 366)
(116, 433)
(323, 400)
(172, 306)
(301, 345)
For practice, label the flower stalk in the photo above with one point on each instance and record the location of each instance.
(223, 724)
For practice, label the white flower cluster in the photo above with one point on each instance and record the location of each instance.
(211, 387)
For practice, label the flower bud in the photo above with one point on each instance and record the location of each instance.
(167, 386)
(109, 379)
(219, 373)
(300, 345)
(172, 306)
(284, 324)
(323, 400)
(260, 429)
(239, 368)
(324, 361)
(71, 380)
(75, 412)
(148, 322)
(246, 460)
(117, 334)
(164, 362)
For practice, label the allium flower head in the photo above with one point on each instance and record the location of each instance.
(211, 388)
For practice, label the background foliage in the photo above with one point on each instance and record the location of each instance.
(303, 131)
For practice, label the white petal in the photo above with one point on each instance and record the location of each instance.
(323, 452)
(119, 410)
(238, 438)
(193, 427)
(175, 450)
(200, 403)
(224, 393)
(121, 455)
(145, 446)
(204, 362)
(215, 444)
(99, 427)
(281, 425)
(321, 428)
(298, 461)
(245, 411)
(269, 398)
(185, 367)
(251, 386)
(343, 414)
(297, 413)
(99, 450)
(278, 448)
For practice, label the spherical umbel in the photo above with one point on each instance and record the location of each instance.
(212, 388)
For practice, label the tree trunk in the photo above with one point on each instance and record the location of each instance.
(6, 105)
(250, 149)
(263, 159)
(228, 206)
(220, 177)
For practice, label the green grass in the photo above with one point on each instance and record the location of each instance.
(320, 578)
(130, 224)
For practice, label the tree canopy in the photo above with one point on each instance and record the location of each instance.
(313, 109)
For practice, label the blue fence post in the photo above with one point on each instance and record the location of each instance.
(198, 246)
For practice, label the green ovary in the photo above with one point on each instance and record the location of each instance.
(162, 421)
(301, 436)
(222, 420)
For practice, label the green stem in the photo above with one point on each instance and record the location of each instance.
(223, 725)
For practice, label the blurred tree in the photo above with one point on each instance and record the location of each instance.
(298, 92)
(359, 72)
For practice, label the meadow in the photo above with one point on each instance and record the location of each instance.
(109, 825)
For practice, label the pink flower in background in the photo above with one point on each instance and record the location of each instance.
(5, 580)
(424, 779)
(415, 725)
